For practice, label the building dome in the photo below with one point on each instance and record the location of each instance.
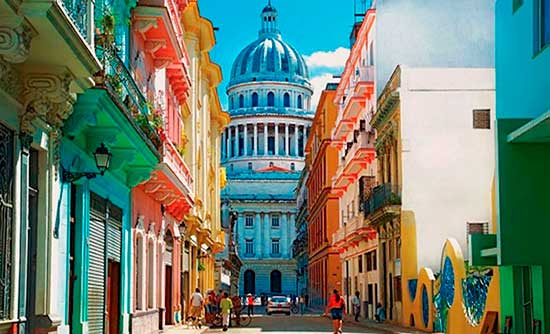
(269, 58)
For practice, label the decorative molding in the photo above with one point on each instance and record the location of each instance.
(161, 63)
(144, 24)
(153, 45)
(15, 42)
(140, 224)
(47, 96)
(10, 79)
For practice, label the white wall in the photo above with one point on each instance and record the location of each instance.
(447, 165)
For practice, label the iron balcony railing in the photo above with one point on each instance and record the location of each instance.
(79, 12)
(381, 196)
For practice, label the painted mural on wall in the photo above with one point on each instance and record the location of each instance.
(455, 300)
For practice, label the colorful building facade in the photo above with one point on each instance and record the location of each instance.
(323, 203)
(517, 242)
(420, 113)
(95, 158)
(300, 244)
(263, 148)
(356, 174)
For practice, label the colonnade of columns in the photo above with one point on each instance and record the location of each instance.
(264, 138)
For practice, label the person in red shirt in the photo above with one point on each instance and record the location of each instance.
(250, 304)
(337, 309)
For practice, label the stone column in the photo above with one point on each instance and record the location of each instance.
(223, 148)
(265, 138)
(245, 140)
(276, 139)
(296, 132)
(285, 236)
(255, 138)
(229, 143)
(258, 240)
(304, 142)
(286, 140)
(237, 145)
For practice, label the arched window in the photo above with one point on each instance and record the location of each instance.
(140, 273)
(275, 281)
(249, 282)
(286, 100)
(151, 271)
(241, 101)
(299, 103)
(254, 99)
(292, 166)
(270, 99)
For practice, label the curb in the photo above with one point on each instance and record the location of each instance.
(386, 328)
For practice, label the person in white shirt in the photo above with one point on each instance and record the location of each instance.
(356, 303)
(196, 304)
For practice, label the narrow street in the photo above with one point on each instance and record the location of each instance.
(293, 325)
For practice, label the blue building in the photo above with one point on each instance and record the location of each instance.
(263, 152)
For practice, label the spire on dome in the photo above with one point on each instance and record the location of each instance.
(269, 20)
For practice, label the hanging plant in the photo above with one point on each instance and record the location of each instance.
(201, 267)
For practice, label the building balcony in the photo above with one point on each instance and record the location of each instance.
(356, 95)
(159, 22)
(383, 203)
(349, 235)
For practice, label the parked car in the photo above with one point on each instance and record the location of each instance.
(278, 304)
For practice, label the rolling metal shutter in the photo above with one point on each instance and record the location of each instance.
(114, 233)
(96, 270)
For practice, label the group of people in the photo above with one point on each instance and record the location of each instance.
(336, 307)
(213, 304)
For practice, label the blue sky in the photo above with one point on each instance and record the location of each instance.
(319, 29)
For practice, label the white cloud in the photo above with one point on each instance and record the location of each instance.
(328, 59)
(318, 84)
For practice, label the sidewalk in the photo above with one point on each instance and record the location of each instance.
(184, 329)
(384, 327)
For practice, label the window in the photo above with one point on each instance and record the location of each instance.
(270, 99)
(254, 99)
(275, 246)
(249, 247)
(374, 260)
(397, 289)
(286, 100)
(249, 221)
(369, 261)
(482, 118)
(292, 166)
(250, 166)
(275, 221)
(241, 101)
(275, 281)
(299, 103)
(360, 263)
(544, 17)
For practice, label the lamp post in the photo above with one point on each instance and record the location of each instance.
(102, 158)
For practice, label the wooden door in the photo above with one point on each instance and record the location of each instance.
(168, 295)
(112, 315)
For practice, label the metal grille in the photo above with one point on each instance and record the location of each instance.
(482, 119)
(6, 217)
(96, 272)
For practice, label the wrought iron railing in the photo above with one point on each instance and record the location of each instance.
(381, 196)
(79, 13)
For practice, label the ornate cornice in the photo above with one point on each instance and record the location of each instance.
(10, 79)
(15, 42)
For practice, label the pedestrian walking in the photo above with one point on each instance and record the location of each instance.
(226, 305)
(250, 304)
(356, 303)
(380, 313)
(337, 308)
(196, 302)
(302, 304)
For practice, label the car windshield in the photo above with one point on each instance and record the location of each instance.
(278, 299)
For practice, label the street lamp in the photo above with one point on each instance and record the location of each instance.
(102, 158)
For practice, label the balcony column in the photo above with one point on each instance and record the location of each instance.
(276, 152)
(245, 139)
(258, 242)
(286, 140)
(229, 144)
(255, 139)
(265, 138)
(292, 224)
(296, 132)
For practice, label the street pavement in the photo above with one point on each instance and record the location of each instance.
(295, 324)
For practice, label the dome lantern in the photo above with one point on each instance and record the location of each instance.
(269, 20)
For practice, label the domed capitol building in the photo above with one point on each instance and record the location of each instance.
(263, 152)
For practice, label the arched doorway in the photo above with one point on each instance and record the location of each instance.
(249, 282)
(275, 281)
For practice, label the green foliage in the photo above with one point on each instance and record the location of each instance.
(201, 267)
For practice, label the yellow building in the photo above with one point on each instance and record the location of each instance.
(203, 125)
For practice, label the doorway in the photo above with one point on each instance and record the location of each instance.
(32, 218)
(168, 295)
(250, 282)
(112, 315)
(527, 299)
